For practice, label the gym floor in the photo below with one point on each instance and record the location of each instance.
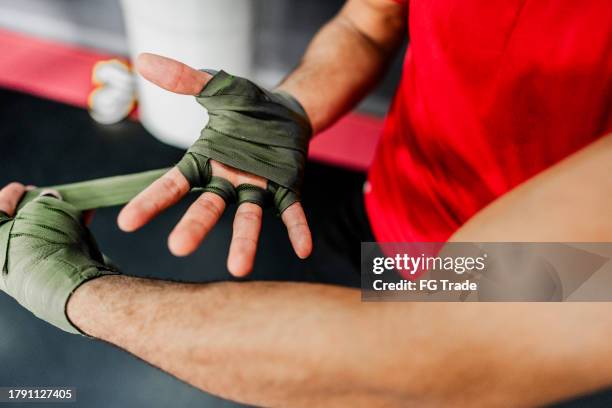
(45, 143)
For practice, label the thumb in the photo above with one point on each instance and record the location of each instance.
(170, 74)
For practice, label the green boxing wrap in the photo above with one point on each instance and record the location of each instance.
(46, 253)
(254, 130)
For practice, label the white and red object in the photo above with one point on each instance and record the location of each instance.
(114, 97)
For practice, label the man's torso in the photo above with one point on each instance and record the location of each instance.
(491, 94)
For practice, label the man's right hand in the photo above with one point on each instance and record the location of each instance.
(203, 214)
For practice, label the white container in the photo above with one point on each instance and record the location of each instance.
(215, 34)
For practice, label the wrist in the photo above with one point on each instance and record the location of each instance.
(293, 92)
(88, 307)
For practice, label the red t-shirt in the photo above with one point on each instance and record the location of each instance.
(492, 93)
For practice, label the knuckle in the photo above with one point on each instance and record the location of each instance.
(249, 215)
(298, 224)
(245, 240)
(170, 185)
(144, 205)
(176, 76)
(194, 225)
(204, 204)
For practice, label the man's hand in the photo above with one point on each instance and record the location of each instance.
(46, 253)
(204, 213)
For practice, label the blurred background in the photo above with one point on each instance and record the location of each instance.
(67, 113)
(279, 30)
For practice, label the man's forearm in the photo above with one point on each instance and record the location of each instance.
(271, 344)
(288, 344)
(346, 59)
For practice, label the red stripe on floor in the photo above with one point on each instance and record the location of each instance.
(350, 143)
(46, 68)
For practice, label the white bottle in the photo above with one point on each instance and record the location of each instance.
(215, 34)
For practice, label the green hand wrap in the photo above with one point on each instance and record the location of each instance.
(261, 132)
(46, 253)
(248, 193)
(99, 193)
(222, 188)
